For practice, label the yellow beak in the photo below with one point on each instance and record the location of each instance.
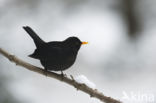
(84, 43)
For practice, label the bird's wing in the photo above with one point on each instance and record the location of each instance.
(50, 52)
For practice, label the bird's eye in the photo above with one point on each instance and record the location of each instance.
(77, 43)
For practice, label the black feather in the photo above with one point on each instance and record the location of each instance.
(56, 55)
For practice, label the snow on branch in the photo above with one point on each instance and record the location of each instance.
(84, 80)
(71, 81)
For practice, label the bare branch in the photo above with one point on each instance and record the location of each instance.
(72, 82)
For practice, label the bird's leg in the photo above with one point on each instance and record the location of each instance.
(62, 73)
(45, 71)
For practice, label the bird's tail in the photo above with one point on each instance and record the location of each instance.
(37, 40)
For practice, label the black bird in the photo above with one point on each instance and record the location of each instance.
(55, 55)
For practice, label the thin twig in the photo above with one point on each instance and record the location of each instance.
(92, 92)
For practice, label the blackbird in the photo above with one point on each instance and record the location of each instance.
(55, 55)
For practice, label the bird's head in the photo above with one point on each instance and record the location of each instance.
(74, 43)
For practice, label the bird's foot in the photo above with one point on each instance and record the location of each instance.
(45, 72)
(63, 75)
